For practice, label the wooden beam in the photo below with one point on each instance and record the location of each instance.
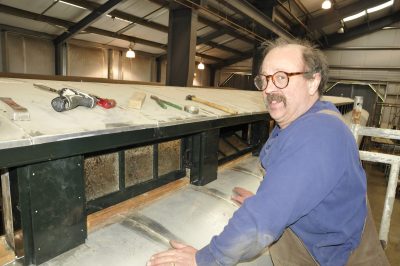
(117, 212)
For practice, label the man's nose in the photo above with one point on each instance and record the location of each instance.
(270, 87)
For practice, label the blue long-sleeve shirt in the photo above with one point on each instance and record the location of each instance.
(314, 184)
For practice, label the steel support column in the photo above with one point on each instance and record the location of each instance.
(3, 52)
(61, 59)
(181, 46)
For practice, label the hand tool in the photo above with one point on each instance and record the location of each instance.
(163, 103)
(16, 112)
(158, 101)
(71, 98)
(214, 105)
(191, 109)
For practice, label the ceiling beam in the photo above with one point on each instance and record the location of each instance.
(28, 32)
(208, 37)
(143, 22)
(123, 15)
(86, 21)
(66, 24)
(364, 29)
(233, 60)
(337, 14)
(215, 25)
(246, 9)
(224, 48)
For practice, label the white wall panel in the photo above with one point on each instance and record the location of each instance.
(382, 38)
(370, 60)
(138, 68)
(87, 61)
(370, 75)
(29, 55)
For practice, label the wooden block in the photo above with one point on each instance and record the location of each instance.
(137, 99)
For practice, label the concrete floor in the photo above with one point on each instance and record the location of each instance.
(376, 194)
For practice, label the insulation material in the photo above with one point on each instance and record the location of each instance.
(87, 61)
(30, 55)
(138, 165)
(169, 157)
(101, 175)
(138, 68)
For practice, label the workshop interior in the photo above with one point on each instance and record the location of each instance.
(127, 123)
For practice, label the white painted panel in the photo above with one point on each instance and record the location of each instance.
(66, 12)
(87, 61)
(29, 5)
(382, 58)
(334, 57)
(202, 31)
(91, 37)
(30, 55)
(138, 7)
(138, 68)
(40, 56)
(382, 38)
(15, 48)
(239, 45)
(147, 33)
(364, 58)
(381, 75)
(162, 19)
(110, 24)
(393, 88)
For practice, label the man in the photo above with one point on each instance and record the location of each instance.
(310, 209)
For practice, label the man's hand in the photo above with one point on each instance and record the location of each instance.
(179, 255)
(240, 195)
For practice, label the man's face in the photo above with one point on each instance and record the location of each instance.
(286, 105)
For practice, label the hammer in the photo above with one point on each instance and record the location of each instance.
(214, 105)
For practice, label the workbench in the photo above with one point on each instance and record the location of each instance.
(59, 167)
(63, 166)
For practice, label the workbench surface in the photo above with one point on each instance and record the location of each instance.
(47, 125)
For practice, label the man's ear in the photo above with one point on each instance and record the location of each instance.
(314, 83)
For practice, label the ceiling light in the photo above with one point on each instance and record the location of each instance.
(326, 4)
(130, 53)
(200, 66)
(379, 7)
(362, 13)
(81, 7)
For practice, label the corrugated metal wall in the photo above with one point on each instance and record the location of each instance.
(374, 59)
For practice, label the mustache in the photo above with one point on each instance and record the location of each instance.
(275, 97)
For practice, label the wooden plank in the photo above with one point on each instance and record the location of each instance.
(6, 253)
(117, 212)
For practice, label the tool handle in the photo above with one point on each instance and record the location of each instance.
(172, 105)
(106, 103)
(215, 105)
(68, 102)
(158, 101)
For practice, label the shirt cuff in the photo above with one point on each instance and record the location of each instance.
(204, 257)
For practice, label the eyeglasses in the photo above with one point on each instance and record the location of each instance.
(280, 79)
